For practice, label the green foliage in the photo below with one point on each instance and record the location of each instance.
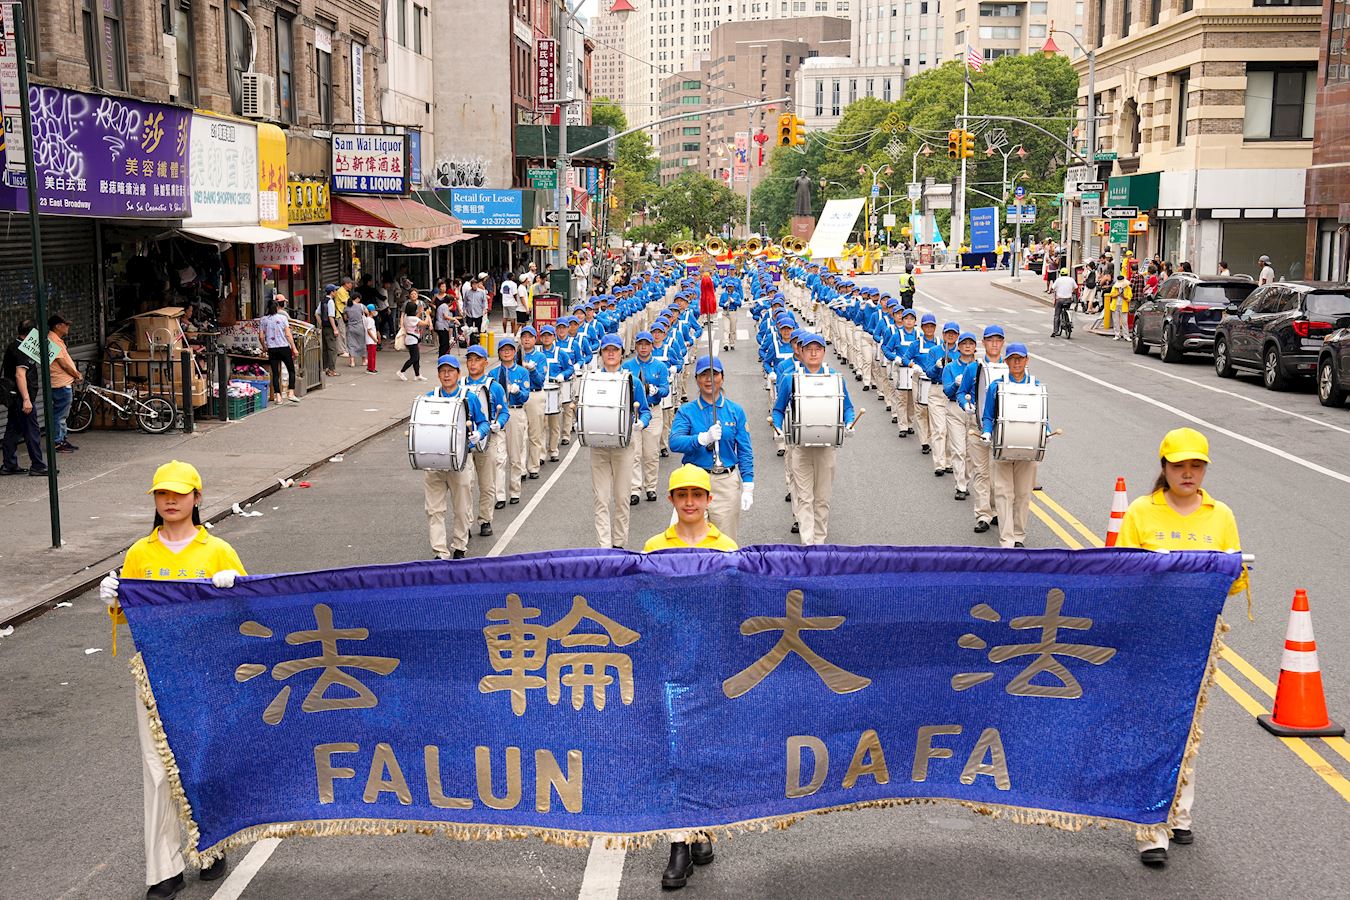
(635, 172)
(694, 205)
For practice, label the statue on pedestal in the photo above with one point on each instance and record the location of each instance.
(803, 184)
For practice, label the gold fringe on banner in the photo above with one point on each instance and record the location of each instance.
(1018, 815)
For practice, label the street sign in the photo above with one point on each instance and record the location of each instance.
(1092, 205)
(1120, 231)
(915, 190)
(876, 191)
(873, 220)
(16, 152)
(1085, 187)
(1105, 156)
(1026, 216)
(543, 179)
(1019, 192)
(888, 220)
(1120, 212)
(551, 217)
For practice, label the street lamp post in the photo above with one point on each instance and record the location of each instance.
(927, 151)
(876, 174)
(1049, 49)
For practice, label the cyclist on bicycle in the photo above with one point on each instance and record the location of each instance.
(1065, 289)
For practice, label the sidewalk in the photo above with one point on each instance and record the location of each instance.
(104, 507)
(1030, 288)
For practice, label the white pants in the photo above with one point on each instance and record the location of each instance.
(647, 453)
(729, 337)
(938, 409)
(1183, 816)
(812, 489)
(535, 431)
(980, 457)
(163, 840)
(486, 464)
(958, 422)
(511, 471)
(1014, 481)
(724, 510)
(449, 491)
(611, 474)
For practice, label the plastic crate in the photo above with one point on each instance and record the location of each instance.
(241, 406)
(264, 387)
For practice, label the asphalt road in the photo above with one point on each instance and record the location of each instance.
(1271, 816)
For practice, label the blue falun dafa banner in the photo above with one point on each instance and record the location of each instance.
(572, 694)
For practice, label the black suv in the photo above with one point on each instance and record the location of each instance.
(1182, 317)
(1333, 365)
(1279, 329)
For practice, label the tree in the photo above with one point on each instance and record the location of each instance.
(694, 205)
(635, 169)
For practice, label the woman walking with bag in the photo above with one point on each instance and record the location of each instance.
(415, 321)
(280, 348)
(355, 317)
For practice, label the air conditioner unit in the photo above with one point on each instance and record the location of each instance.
(260, 96)
(171, 64)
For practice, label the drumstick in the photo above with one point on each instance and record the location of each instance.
(858, 418)
(1056, 432)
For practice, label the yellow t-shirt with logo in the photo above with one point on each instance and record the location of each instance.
(149, 559)
(669, 540)
(1151, 524)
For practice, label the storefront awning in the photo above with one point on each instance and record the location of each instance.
(392, 220)
(427, 245)
(238, 234)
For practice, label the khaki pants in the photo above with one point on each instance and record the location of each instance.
(647, 453)
(1184, 804)
(907, 409)
(938, 407)
(553, 433)
(486, 464)
(458, 486)
(980, 456)
(611, 472)
(729, 336)
(511, 472)
(535, 425)
(958, 423)
(883, 382)
(1013, 484)
(812, 488)
(667, 420)
(920, 422)
(569, 412)
(163, 841)
(725, 509)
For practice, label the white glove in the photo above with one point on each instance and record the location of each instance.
(747, 496)
(778, 434)
(515, 389)
(495, 427)
(107, 590)
(529, 367)
(712, 435)
(224, 578)
(987, 438)
(773, 377)
(653, 390)
(848, 432)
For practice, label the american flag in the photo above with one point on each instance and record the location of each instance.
(973, 58)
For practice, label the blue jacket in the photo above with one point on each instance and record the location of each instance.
(477, 420)
(991, 401)
(540, 370)
(654, 373)
(558, 360)
(518, 377)
(499, 412)
(954, 379)
(695, 417)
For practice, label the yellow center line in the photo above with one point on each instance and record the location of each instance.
(1055, 527)
(1263, 683)
(1064, 514)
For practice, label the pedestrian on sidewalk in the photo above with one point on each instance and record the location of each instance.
(329, 332)
(509, 290)
(444, 320)
(1121, 294)
(1267, 275)
(474, 303)
(372, 340)
(64, 375)
(414, 324)
(280, 345)
(178, 547)
(1090, 286)
(355, 317)
(21, 407)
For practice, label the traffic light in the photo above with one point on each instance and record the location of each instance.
(954, 144)
(798, 131)
(785, 130)
(967, 145)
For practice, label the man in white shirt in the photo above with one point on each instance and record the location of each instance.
(1267, 271)
(508, 290)
(1064, 288)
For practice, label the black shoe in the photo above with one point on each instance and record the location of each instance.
(1154, 858)
(553, 457)
(1183, 836)
(701, 852)
(888, 409)
(787, 498)
(500, 504)
(961, 495)
(1019, 545)
(939, 472)
(651, 496)
(895, 420)
(910, 430)
(617, 547)
(981, 527)
(633, 499)
(925, 449)
(684, 398)
(994, 520)
(215, 871)
(867, 387)
(949, 470)
(534, 476)
(904, 432)
(664, 453)
(513, 501)
(14, 471)
(780, 452)
(565, 441)
(458, 554)
(485, 529)
(63, 447)
(796, 528)
(41, 473)
(680, 867)
(170, 887)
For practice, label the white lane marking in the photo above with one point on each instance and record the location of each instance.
(604, 872)
(1252, 442)
(1011, 312)
(1217, 390)
(232, 888)
(1021, 328)
(500, 547)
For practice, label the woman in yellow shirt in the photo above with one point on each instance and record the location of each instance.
(178, 547)
(1180, 515)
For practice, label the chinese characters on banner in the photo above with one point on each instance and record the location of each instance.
(369, 163)
(546, 71)
(285, 252)
(741, 167)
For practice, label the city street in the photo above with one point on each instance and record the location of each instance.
(1270, 814)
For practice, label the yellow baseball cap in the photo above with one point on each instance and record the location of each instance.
(179, 477)
(689, 475)
(1181, 444)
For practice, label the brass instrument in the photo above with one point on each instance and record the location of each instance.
(794, 244)
(683, 250)
(753, 247)
(715, 246)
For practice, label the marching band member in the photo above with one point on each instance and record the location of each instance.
(1180, 515)
(914, 352)
(812, 467)
(536, 364)
(732, 297)
(580, 356)
(977, 451)
(557, 368)
(612, 467)
(1014, 479)
(178, 547)
(959, 406)
(515, 381)
(654, 378)
(933, 363)
(897, 347)
(710, 432)
(457, 485)
(489, 460)
(667, 352)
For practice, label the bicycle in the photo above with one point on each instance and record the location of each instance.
(154, 415)
(1064, 325)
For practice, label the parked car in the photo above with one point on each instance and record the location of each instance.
(1333, 365)
(1279, 330)
(1182, 317)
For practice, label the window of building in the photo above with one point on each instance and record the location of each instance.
(691, 100)
(1279, 103)
(238, 53)
(285, 68)
(852, 90)
(960, 15)
(176, 16)
(691, 85)
(690, 147)
(105, 45)
(418, 20)
(323, 72)
(691, 131)
(834, 97)
(820, 97)
(402, 22)
(1039, 9)
(1101, 22)
(1036, 31)
(1286, 2)
(960, 38)
(1000, 32)
(1126, 17)
(1154, 11)
(822, 6)
(999, 10)
(1183, 99)
(886, 89)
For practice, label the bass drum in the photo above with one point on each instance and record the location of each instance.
(605, 410)
(1021, 413)
(438, 434)
(817, 410)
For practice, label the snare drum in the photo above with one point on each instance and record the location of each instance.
(438, 435)
(1021, 413)
(924, 387)
(817, 410)
(552, 398)
(902, 376)
(565, 388)
(605, 410)
(668, 401)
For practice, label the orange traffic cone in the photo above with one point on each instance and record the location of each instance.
(918, 271)
(983, 267)
(1119, 503)
(1300, 703)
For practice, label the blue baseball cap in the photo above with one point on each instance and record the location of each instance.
(909, 313)
(548, 329)
(811, 338)
(1015, 350)
(966, 336)
(329, 288)
(477, 350)
(706, 362)
(661, 326)
(448, 359)
(993, 331)
(928, 319)
(530, 331)
(951, 326)
(611, 340)
(644, 336)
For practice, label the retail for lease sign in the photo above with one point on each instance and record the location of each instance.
(369, 163)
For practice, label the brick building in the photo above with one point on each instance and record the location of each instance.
(1328, 192)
